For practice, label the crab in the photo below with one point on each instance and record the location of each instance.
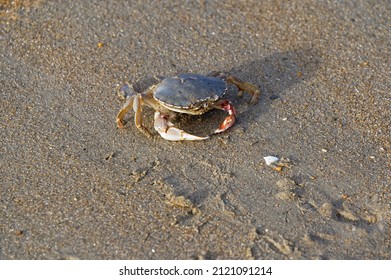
(187, 93)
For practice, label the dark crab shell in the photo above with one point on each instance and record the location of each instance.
(189, 91)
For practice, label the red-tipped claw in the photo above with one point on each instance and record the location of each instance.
(227, 123)
(227, 106)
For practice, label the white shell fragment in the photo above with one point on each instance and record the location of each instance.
(270, 159)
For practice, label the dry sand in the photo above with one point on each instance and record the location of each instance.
(74, 187)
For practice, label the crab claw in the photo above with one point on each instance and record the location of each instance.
(230, 119)
(167, 130)
(227, 123)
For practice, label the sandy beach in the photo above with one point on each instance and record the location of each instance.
(73, 186)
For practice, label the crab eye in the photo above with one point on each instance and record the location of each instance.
(126, 91)
(124, 88)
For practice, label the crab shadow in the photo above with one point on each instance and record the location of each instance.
(275, 75)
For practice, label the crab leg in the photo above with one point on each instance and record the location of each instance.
(133, 100)
(138, 117)
(226, 105)
(253, 90)
(247, 87)
(167, 130)
(129, 94)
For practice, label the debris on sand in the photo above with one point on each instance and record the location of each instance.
(277, 163)
(270, 160)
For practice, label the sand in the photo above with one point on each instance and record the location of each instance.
(73, 186)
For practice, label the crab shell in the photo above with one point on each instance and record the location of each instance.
(190, 93)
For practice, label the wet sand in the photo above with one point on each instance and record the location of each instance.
(75, 187)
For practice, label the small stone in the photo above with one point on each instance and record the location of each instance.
(19, 232)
